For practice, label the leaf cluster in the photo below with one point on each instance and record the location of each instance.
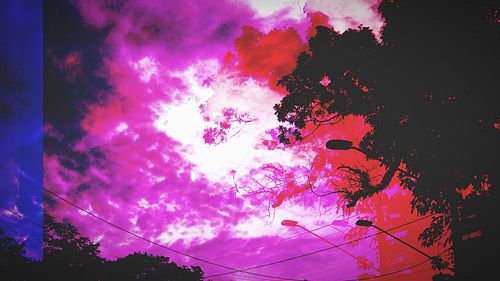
(428, 90)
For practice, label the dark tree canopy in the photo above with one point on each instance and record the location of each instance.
(68, 255)
(12, 259)
(428, 90)
(145, 267)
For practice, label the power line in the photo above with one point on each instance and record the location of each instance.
(242, 270)
(321, 250)
(234, 270)
(390, 273)
(413, 273)
(336, 266)
(21, 216)
(240, 250)
(163, 246)
(440, 254)
(40, 225)
(397, 271)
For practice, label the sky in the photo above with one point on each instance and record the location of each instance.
(21, 121)
(158, 117)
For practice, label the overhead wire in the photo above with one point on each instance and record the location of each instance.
(401, 270)
(245, 277)
(390, 273)
(160, 245)
(397, 271)
(21, 216)
(414, 272)
(321, 250)
(234, 270)
(40, 225)
(283, 239)
(248, 277)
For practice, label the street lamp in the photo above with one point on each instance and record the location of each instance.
(346, 145)
(289, 223)
(339, 144)
(368, 223)
(436, 260)
(364, 223)
(292, 223)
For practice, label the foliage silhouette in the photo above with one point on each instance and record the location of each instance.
(71, 256)
(13, 263)
(428, 91)
(67, 255)
(147, 267)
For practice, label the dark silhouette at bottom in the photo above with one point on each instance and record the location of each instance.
(67, 255)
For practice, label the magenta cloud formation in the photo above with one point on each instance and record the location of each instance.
(183, 147)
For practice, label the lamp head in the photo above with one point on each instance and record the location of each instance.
(289, 223)
(364, 223)
(339, 144)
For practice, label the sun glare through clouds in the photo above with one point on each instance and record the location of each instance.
(182, 147)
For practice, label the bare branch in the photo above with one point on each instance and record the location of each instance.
(367, 189)
(311, 187)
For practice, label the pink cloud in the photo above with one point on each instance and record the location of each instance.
(160, 174)
(349, 14)
(173, 31)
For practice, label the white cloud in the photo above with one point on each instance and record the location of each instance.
(348, 14)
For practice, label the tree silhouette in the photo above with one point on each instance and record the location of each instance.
(70, 256)
(13, 263)
(428, 91)
(67, 255)
(145, 267)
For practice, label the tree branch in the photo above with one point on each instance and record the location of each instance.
(367, 189)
